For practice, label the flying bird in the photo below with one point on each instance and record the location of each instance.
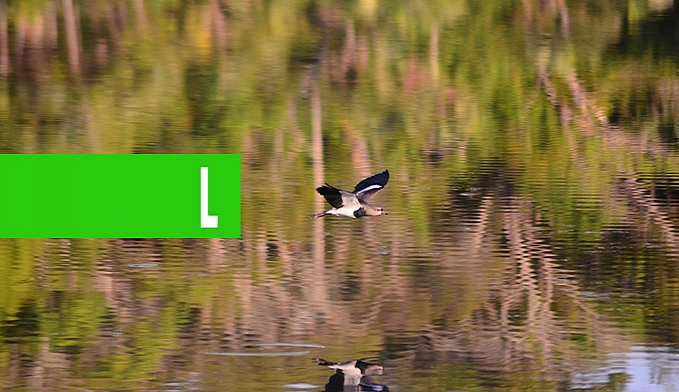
(353, 204)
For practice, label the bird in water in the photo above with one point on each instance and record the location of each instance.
(353, 204)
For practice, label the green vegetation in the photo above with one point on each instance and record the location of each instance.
(568, 106)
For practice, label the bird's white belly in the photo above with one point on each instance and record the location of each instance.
(345, 212)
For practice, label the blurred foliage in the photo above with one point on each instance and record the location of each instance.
(553, 102)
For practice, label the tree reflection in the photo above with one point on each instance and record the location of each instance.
(534, 191)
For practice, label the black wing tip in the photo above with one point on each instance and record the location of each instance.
(384, 173)
(331, 194)
(380, 179)
(327, 189)
(383, 176)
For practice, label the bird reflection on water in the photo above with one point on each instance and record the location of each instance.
(355, 375)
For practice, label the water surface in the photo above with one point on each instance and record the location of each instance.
(531, 241)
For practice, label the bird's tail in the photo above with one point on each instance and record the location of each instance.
(322, 362)
(319, 215)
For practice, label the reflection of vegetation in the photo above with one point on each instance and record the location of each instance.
(522, 98)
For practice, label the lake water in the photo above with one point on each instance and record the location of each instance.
(533, 230)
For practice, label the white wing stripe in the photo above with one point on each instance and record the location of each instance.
(371, 187)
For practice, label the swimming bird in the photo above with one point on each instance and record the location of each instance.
(348, 373)
(353, 204)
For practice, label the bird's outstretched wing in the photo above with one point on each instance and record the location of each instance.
(367, 188)
(339, 198)
(331, 194)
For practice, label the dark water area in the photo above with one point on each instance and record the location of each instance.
(531, 242)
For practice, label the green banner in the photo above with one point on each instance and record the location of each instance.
(119, 196)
